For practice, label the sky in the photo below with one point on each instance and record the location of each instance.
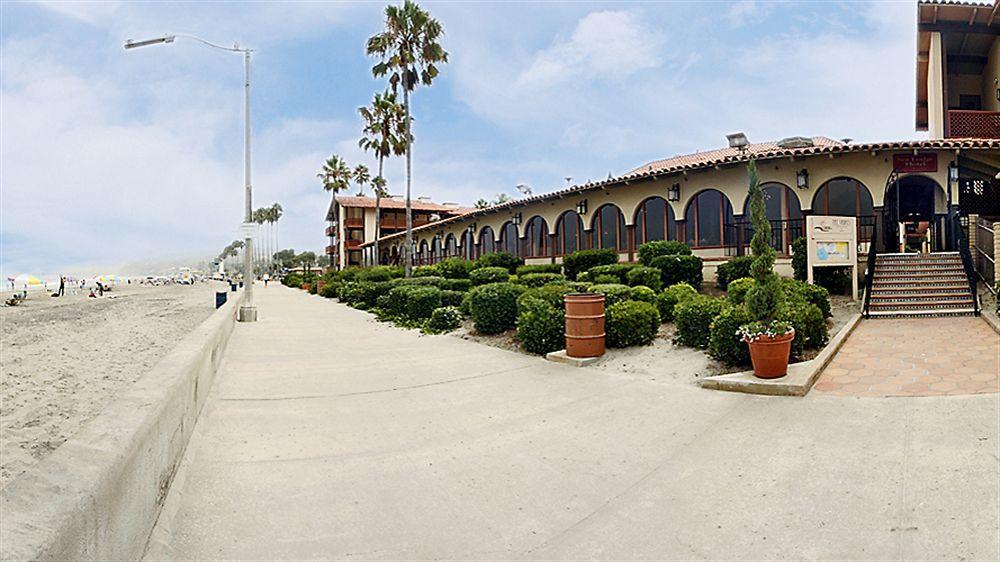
(111, 157)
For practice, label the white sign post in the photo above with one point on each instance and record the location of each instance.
(833, 241)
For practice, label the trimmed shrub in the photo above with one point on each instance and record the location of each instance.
(836, 280)
(643, 294)
(330, 290)
(433, 280)
(379, 273)
(551, 294)
(444, 319)
(349, 273)
(578, 262)
(800, 260)
(679, 269)
(507, 261)
(618, 270)
(578, 287)
(631, 323)
(732, 270)
(292, 280)
(810, 327)
(413, 302)
(694, 320)
(426, 271)
(455, 268)
(605, 279)
(539, 279)
(813, 294)
(725, 344)
(584, 277)
(466, 306)
(613, 292)
(667, 301)
(738, 289)
(484, 275)
(455, 285)
(540, 326)
(542, 268)
(452, 298)
(657, 248)
(494, 307)
(648, 276)
(313, 288)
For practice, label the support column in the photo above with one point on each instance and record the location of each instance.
(996, 252)
(973, 235)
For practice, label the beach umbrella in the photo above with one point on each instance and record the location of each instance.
(27, 280)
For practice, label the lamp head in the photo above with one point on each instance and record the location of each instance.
(130, 44)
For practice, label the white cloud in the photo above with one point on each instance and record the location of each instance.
(744, 12)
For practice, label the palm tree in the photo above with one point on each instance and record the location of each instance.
(335, 175)
(409, 53)
(276, 212)
(383, 134)
(259, 216)
(362, 177)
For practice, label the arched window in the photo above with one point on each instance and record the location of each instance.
(468, 245)
(609, 229)
(846, 197)
(654, 220)
(783, 211)
(509, 241)
(706, 218)
(569, 233)
(536, 237)
(450, 246)
(423, 256)
(394, 256)
(487, 241)
(436, 249)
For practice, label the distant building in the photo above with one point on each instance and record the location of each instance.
(351, 223)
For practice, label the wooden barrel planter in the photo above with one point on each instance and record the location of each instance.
(584, 325)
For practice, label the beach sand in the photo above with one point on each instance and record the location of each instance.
(64, 359)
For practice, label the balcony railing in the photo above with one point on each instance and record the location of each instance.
(400, 224)
(354, 222)
(962, 123)
(331, 230)
(331, 250)
(353, 244)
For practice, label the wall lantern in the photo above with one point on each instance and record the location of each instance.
(802, 179)
(674, 193)
(953, 173)
(472, 228)
(581, 207)
(516, 219)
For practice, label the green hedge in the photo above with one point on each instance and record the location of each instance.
(330, 290)
(651, 250)
(539, 279)
(694, 317)
(800, 259)
(648, 276)
(725, 344)
(540, 326)
(455, 284)
(613, 292)
(413, 302)
(444, 319)
(642, 294)
(542, 268)
(618, 270)
(732, 270)
(552, 294)
(452, 298)
(455, 268)
(738, 289)
(578, 262)
(494, 307)
(813, 294)
(507, 261)
(491, 274)
(807, 319)
(671, 296)
(378, 273)
(631, 323)
(679, 269)
(605, 279)
(433, 280)
(426, 271)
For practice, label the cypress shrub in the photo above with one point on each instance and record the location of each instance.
(540, 326)
(507, 261)
(444, 319)
(613, 292)
(484, 275)
(631, 323)
(799, 258)
(648, 276)
(732, 270)
(725, 344)
(643, 294)
(494, 307)
(694, 320)
(657, 248)
(578, 262)
(542, 268)
(667, 301)
(539, 279)
(455, 268)
(679, 269)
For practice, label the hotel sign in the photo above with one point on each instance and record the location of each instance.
(832, 241)
(915, 163)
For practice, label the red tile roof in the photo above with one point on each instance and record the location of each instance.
(398, 203)
(711, 156)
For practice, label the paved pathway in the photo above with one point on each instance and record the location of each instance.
(331, 436)
(916, 357)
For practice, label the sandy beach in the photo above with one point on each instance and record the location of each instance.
(64, 359)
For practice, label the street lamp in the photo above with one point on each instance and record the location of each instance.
(247, 312)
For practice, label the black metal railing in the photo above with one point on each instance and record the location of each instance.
(958, 234)
(984, 257)
(875, 244)
(783, 233)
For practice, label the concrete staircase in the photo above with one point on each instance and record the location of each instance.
(908, 285)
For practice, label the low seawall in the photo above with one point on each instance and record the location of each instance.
(98, 495)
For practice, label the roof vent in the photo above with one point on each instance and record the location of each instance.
(795, 142)
(449, 204)
(424, 199)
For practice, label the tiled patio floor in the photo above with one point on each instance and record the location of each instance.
(915, 357)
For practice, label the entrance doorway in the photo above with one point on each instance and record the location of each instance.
(916, 208)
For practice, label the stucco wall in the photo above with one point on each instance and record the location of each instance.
(991, 78)
(935, 88)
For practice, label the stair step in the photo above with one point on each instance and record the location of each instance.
(918, 298)
(921, 313)
(920, 286)
(950, 275)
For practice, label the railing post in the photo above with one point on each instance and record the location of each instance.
(996, 252)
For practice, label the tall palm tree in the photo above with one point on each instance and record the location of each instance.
(259, 216)
(409, 53)
(276, 212)
(362, 177)
(383, 134)
(335, 175)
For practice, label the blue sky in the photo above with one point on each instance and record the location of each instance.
(112, 157)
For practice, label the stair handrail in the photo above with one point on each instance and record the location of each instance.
(967, 265)
(870, 267)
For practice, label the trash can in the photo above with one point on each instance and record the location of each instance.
(241, 284)
(220, 298)
(584, 325)
(232, 287)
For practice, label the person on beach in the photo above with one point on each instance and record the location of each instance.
(267, 277)
(100, 289)
(62, 285)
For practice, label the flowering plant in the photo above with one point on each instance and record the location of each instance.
(763, 330)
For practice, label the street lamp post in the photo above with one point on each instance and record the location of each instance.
(247, 312)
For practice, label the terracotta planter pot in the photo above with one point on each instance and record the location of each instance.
(770, 355)
(319, 285)
(305, 287)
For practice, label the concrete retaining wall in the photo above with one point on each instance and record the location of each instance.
(97, 496)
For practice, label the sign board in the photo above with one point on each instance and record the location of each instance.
(832, 241)
(248, 230)
(914, 163)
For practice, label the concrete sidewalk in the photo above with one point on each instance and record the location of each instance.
(331, 436)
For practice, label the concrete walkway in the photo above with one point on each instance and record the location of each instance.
(330, 436)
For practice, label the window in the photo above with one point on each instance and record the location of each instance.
(468, 245)
(487, 241)
(706, 219)
(423, 254)
(509, 241)
(436, 250)
(450, 246)
(844, 197)
(569, 233)
(536, 235)
(609, 229)
(654, 220)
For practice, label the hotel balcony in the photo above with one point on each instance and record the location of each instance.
(354, 223)
(331, 250)
(331, 230)
(400, 224)
(353, 244)
(962, 123)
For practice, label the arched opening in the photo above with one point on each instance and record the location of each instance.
(394, 255)
(915, 209)
(569, 233)
(536, 236)
(784, 212)
(468, 244)
(487, 241)
(450, 246)
(509, 241)
(609, 229)
(423, 255)
(654, 220)
(706, 219)
(847, 197)
(436, 249)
